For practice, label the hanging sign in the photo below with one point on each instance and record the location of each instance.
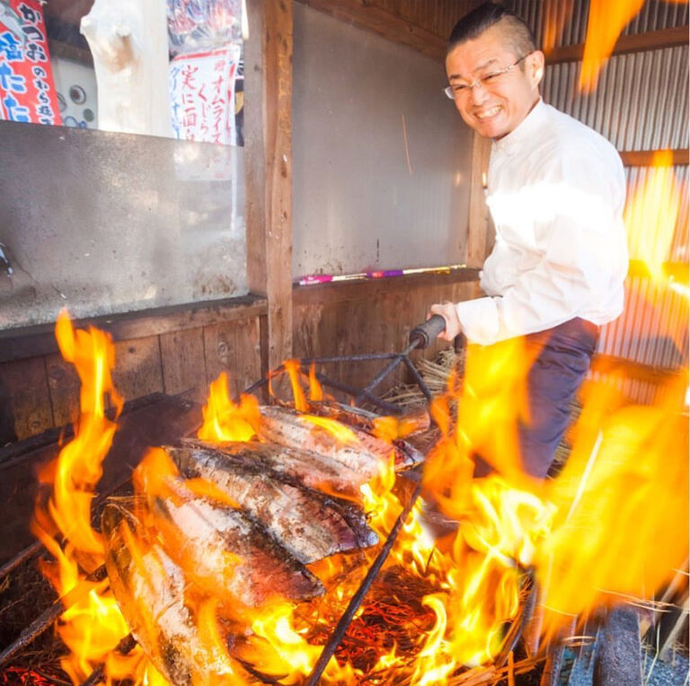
(27, 89)
(202, 95)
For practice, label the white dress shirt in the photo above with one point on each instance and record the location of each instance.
(556, 191)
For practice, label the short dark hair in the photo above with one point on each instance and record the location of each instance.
(488, 14)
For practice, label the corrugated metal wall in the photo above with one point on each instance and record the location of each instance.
(641, 104)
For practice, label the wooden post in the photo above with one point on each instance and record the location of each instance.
(478, 224)
(268, 166)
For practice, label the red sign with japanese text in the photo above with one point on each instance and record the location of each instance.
(202, 95)
(27, 90)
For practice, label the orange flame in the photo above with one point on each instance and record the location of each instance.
(607, 19)
(621, 526)
(315, 389)
(582, 534)
(92, 624)
(652, 214)
(293, 369)
(226, 421)
(342, 433)
(556, 14)
(75, 478)
(589, 534)
(653, 220)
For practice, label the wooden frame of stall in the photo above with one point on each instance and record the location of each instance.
(182, 348)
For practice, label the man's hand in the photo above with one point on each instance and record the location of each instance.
(449, 313)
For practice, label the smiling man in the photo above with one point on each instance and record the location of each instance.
(556, 191)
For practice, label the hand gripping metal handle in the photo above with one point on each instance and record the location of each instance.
(425, 333)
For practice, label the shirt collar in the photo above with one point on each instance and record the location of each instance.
(524, 131)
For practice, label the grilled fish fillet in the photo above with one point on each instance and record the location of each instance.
(312, 469)
(350, 445)
(309, 524)
(226, 554)
(149, 589)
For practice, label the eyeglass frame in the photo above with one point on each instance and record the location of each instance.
(468, 88)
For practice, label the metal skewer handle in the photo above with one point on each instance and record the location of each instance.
(424, 334)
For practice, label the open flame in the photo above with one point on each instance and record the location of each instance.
(226, 421)
(606, 22)
(586, 536)
(92, 624)
(655, 224)
(651, 216)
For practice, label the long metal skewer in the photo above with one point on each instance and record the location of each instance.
(46, 618)
(337, 635)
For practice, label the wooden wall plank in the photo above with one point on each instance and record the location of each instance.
(268, 157)
(63, 385)
(21, 343)
(138, 369)
(26, 397)
(278, 208)
(478, 221)
(366, 317)
(371, 288)
(254, 149)
(183, 363)
(233, 348)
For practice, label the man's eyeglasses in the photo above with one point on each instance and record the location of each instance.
(459, 89)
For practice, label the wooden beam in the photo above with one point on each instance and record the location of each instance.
(478, 221)
(653, 40)
(367, 289)
(278, 144)
(269, 150)
(254, 152)
(25, 342)
(390, 26)
(643, 158)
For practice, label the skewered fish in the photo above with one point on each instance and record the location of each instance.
(349, 445)
(149, 588)
(312, 469)
(309, 524)
(226, 554)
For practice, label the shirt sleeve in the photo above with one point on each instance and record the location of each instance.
(577, 254)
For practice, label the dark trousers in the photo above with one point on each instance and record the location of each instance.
(565, 353)
(554, 379)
